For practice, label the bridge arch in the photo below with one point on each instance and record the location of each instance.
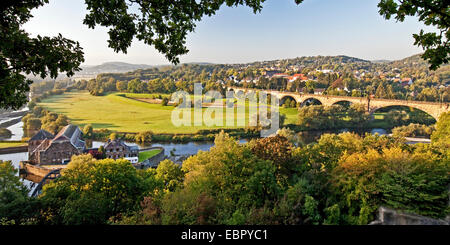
(310, 101)
(344, 103)
(411, 110)
(239, 94)
(432, 108)
(288, 99)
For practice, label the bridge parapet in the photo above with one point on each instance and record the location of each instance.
(435, 109)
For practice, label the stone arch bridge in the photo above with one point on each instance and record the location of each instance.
(434, 109)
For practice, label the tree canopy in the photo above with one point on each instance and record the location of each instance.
(432, 13)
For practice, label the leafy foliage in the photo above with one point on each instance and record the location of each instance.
(441, 136)
(19, 53)
(341, 179)
(331, 117)
(15, 205)
(163, 25)
(91, 191)
(431, 12)
(413, 130)
(412, 182)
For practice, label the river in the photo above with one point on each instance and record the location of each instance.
(179, 149)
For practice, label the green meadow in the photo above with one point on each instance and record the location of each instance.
(119, 113)
(11, 144)
(147, 154)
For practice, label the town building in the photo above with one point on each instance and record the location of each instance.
(45, 148)
(116, 149)
(325, 71)
(299, 76)
(270, 73)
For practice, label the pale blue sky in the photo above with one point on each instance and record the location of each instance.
(236, 35)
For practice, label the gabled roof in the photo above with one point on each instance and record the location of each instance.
(42, 135)
(114, 143)
(72, 134)
(66, 133)
(119, 142)
(42, 147)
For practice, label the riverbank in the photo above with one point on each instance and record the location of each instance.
(205, 135)
(8, 119)
(9, 147)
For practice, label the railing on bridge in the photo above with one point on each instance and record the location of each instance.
(340, 96)
(54, 174)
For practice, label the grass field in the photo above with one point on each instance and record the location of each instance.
(11, 144)
(147, 154)
(118, 113)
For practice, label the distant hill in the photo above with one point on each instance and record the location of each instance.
(340, 63)
(112, 67)
(380, 61)
(411, 60)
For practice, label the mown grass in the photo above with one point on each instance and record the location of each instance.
(147, 154)
(11, 144)
(118, 113)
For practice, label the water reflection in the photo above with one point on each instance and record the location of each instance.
(17, 131)
(15, 159)
(185, 149)
(379, 131)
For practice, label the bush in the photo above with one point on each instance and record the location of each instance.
(144, 137)
(412, 182)
(88, 131)
(164, 101)
(31, 105)
(5, 133)
(413, 130)
(33, 124)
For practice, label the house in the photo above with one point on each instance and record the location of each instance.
(299, 76)
(44, 148)
(319, 91)
(270, 73)
(116, 149)
(325, 71)
(404, 82)
(38, 138)
(282, 75)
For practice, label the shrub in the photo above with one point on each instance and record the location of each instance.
(413, 182)
(164, 101)
(5, 133)
(144, 137)
(33, 124)
(413, 130)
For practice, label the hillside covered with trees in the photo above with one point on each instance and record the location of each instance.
(408, 78)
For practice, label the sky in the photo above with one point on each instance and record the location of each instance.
(237, 35)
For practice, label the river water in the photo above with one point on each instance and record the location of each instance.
(177, 149)
(180, 149)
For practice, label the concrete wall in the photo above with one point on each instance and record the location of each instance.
(153, 161)
(388, 216)
(27, 168)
